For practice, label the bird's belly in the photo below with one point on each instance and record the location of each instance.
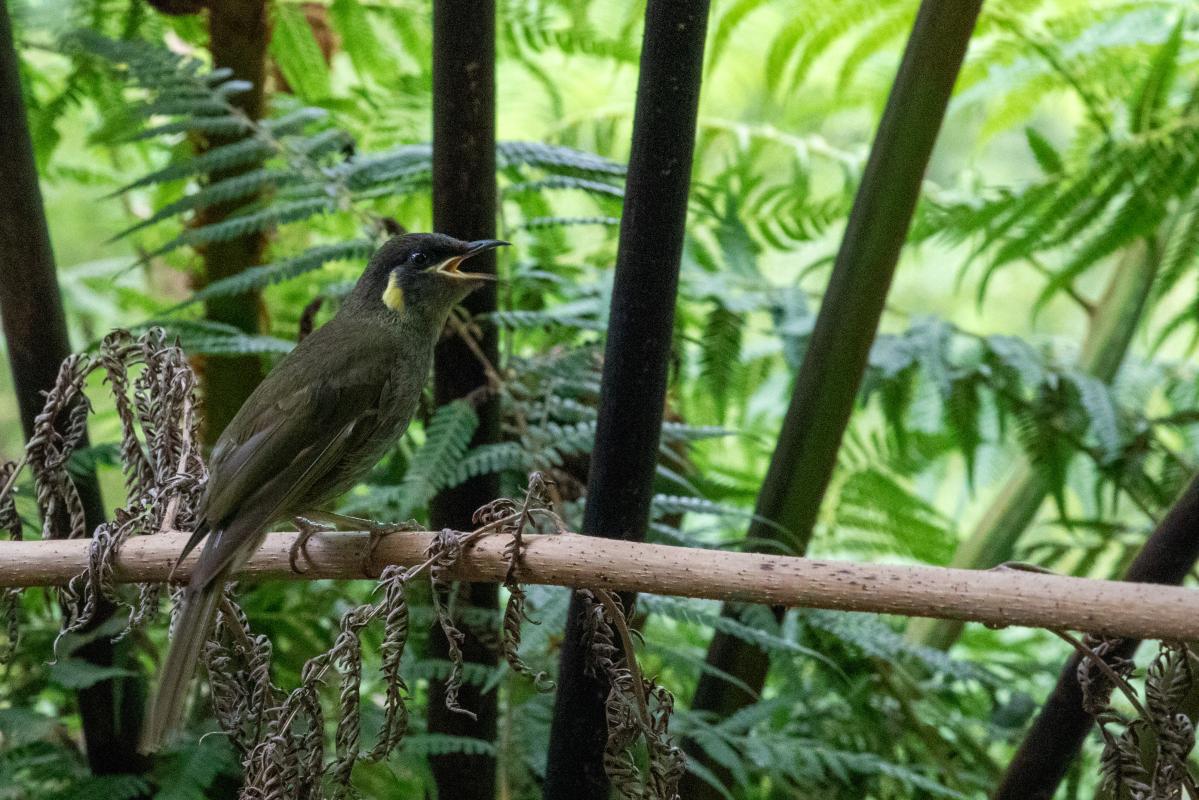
(360, 457)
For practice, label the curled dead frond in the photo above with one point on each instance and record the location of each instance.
(164, 473)
(1096, 678)
(1148, 758)
(10, 599)
(635, 708)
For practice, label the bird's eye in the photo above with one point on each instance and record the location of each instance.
(418, 259)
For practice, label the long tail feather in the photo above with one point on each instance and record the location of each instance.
(169, 700)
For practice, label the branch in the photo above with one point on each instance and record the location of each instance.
(998, 597)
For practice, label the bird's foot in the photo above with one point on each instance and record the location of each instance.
(307, 529)
(378, 531)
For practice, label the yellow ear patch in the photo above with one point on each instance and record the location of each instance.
(393, 295)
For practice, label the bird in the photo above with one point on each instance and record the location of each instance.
(318, 422)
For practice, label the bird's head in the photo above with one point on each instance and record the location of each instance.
(422, 273)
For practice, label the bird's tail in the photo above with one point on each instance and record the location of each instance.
(170, 697)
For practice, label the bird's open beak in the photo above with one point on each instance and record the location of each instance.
(450, 266)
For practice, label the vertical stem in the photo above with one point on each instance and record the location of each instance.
(464, 206)
(636, 357)
(1057, 734)
(830, 376)
(239, 33)
(35, 329)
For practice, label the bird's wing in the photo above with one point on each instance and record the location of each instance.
(272, 458)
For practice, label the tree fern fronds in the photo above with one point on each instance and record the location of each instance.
(202, 337)
(667, 504)
(269, 274)
(535, 35)
(556, 316)
(170, 105)
(218, 159)
(682, 432)
(407, 164)
(783, 47)
(891, 26)
(330, 140)
(1046, 155)
(726, 25)
(876, 503)
(443, 744)
(1135, 219)
(1181, 248)
(238, 187)
(1018, 356)
(212, 126)
(720, 355)
(684, 611)
(565, 182)
(1100, 406)
(434, 464)
(875, 638)
(490, 459)
(555, 158)
(1146, 103)
(252, 222)
(535, 223)
(850, 16)
(294, 121)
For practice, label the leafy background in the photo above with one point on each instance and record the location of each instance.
(1065, 175)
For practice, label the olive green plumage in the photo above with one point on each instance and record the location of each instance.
(318, 422)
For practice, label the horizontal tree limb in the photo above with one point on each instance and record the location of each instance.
(998, 597)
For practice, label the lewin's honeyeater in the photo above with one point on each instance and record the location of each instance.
(320, 420)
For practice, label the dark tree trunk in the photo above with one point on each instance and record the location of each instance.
(828, 381)
(464, 205)
(1057, 734)
(238, 35)
(36, 331)
(636, 357)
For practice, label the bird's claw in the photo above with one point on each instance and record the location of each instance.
(377, 531)
(307, 529)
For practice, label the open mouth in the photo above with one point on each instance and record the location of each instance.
(452, 266)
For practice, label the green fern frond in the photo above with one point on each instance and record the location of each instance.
(269, 274)
(211, 126)
(726, 25)
(1046, 155)
(1182, 247)
(253, 222)
(1145, 104)
(434, 464)
(689, 611)
(720, 356)
(238, 187)
(202, 337)
(555, 158)
(1100, 406)
(491, 459)
(565, 182)
(423, 745)
(556, 316)
(875, 638)
(105, 787)
(535, 223)
(218, 159)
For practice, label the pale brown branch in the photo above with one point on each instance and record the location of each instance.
(997, 598)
